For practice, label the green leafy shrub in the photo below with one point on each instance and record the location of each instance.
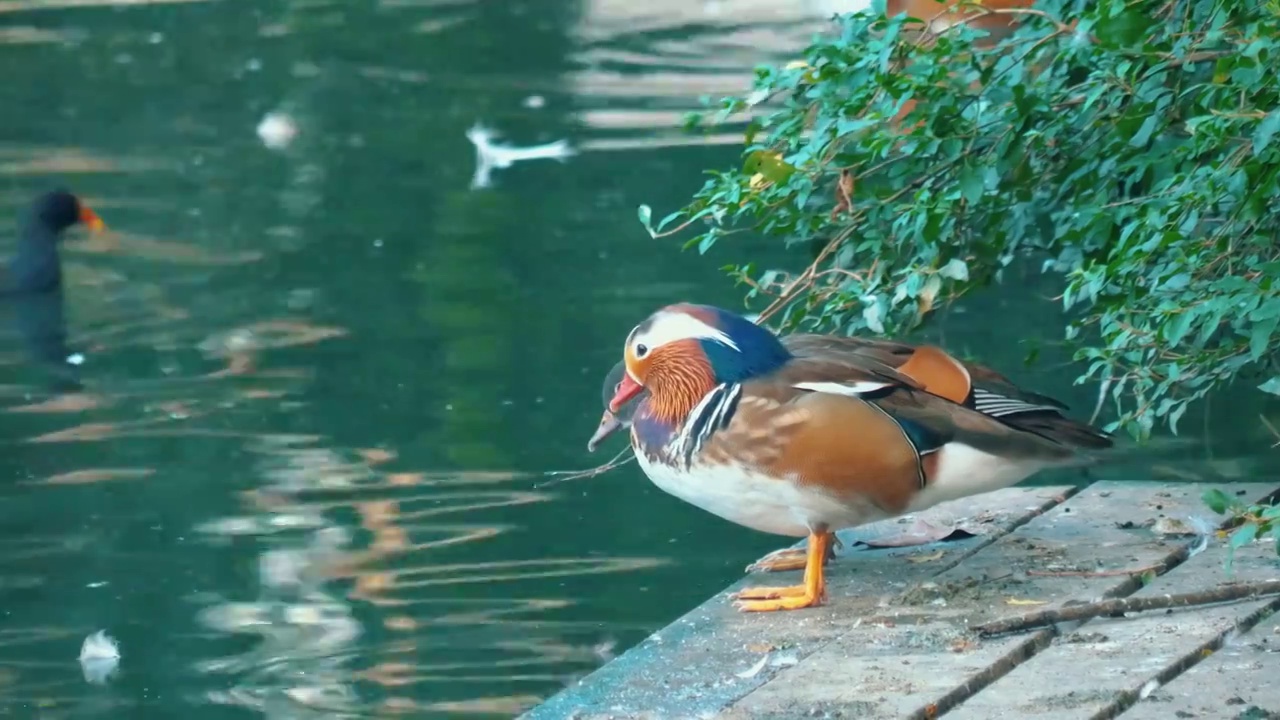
(1131, 147)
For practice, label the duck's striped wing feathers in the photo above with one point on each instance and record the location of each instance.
(864, 371)
(995, 405)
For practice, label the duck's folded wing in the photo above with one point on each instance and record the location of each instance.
(850, 449)
(879, 353)
(881, 448)
(932, 395)
(886, 352)
(991, 396)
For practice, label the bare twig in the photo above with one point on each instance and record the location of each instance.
(559, 476)
(1196, 57)
(1058, 24)
(1157, 568)
(1224, 593)
(1272, 428)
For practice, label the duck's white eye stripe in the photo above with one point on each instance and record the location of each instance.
(674, 326)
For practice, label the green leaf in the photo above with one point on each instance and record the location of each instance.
(871, 315)
(1271, 386)
(770, 165)
(668, 219)
(1177, 328)
(1243, 535)
(645, 213)
(1266, 130)
(1175, 415)
(845, 126)
(1143, 136)
(1218, 501)
(956, 269)
(1260, 338)
(972, 184)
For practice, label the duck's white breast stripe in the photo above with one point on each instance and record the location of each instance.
(713, 412)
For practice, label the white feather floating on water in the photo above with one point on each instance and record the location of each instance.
(277, 130)
(99, 657)
(99, 646)
(491, 155)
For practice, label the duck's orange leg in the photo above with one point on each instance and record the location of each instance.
(809, 594)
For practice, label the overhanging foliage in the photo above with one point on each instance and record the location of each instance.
(1135, 146)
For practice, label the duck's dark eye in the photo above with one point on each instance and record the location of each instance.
(642, 350)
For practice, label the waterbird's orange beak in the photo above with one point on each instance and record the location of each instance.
(627, 389)
(91, 220)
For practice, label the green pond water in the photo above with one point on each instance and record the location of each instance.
(325, 379)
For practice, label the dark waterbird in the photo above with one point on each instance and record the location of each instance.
(32, 285)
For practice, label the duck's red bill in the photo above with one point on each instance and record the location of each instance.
(91, 220)
(627, 389)
(609, 424)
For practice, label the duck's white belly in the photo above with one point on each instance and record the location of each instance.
(749, 498)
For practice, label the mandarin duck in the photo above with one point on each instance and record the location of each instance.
(34, 281)
(887, 352)
(808, 434)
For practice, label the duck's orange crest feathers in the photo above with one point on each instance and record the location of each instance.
(939, 373)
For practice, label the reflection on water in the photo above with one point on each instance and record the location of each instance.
(325, 378)
(645, 65)
(345, 625)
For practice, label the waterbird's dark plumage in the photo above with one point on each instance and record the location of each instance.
(32, 285)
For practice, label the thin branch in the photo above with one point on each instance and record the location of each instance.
(1196, 57)
(1085, 611)
(1124, 572)
(668, 233)
(559, 476)
(1272, 428)
(1058, 24)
